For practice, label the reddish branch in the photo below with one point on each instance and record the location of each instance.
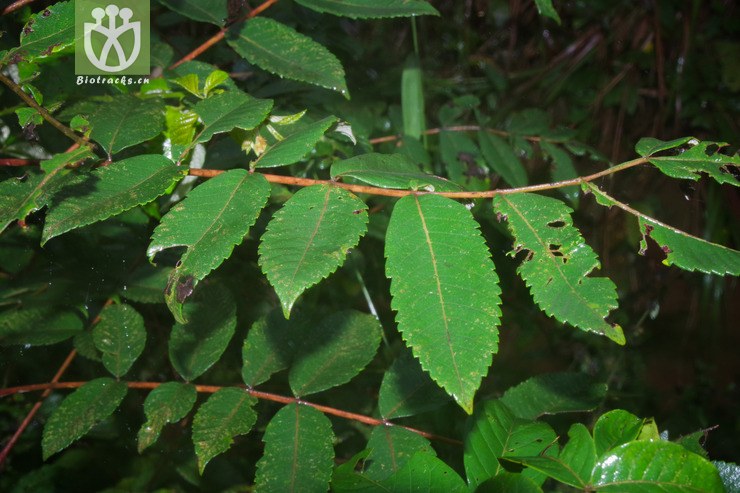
(267, 396)
(15, 6)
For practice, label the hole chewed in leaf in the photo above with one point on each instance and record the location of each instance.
(556, 224)
(711, 150)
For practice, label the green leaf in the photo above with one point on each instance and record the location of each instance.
(108, 191)
(500, 158)
(180, 125)
(553, 393)
(38, 326)
(445, 290)
(196, 345)
(213, 218)
(648, 146)
(214, 79)
(296, 145)
(226, 414)
(338, 348)
(20, 197)
(299, 455)
(79, 412)
(425, 473)
(615, 428)
(390, 171)
(126, 121)
(390, 449)
(459, 154)
(730, 474)
(407, 390)
(309, 238)
(508, 482)
(120, 336)
(495, 432)
(212, 11)
(562, 169)
(544, 7)
(229, 110)
(704, 157)
(269, 347)
(46, 32)
(146, 284)
(168, 403)
(655, 466)
(412, 99)
(281, 50)
(371, 9)
(557, 263)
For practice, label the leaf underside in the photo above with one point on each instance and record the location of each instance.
(295, 146)
(168, 403)
(120, 336)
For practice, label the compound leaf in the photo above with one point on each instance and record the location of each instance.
(79, 412)
(213, 11)
(213, 218)
(704, 157)
(227, 413)
(308, 239)
(445, 291)
(558, 262)
(371, 9)
(126, 121)
(168, 403)
(120, 336)
(299, 454)
(296, 145)
(228, 110)
(281, 50)
(108, 191)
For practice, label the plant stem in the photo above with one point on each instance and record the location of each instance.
(15, 6)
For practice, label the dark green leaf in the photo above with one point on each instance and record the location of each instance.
(655, 466)
(459, 154)
(226, 414)
(445, 290)
(46, 32)
(213, 218)
(425, 473)
(79, 412)
(146, 284)
(281, 50)
(299, 455)
(296, 145)
(108, 191)
(494, 433)
(309, 238)
(649, 146)
(371, 9)
(126, 121)
(500, 158)
(390, 171)
(390, 449)
(407, 390)
(704, 157)
(615, 428)
(38, 326)
(508, 482)
(562, 169)
(545, 8)
(337, 349)
(120, 336)
(168, 403)
(553, 393)
(558, 262)
(195, 346)
(412, 100)
(228, 110)
(213, 11)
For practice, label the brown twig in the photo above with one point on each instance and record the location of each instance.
(15, 6)
(305, 182)
(267, 396)
(18, 162)
(460, 128)
(220, 35)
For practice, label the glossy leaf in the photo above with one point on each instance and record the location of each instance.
(371, 9)
(295, 146)
(120, 336)
(545, 8)
(553, 393)
(425, 473)
(445, 291)
(283, 51)
(308, 239)
(299, 454)
(508, 482)
(196, 345)
(615, 428)
(558, 262)
(214, 218)
(229, 110)
(180, 125)
(494, 433)
(390, 171)
(407, 390)
(168, 403)
(79, 412)
(108, 191)
(337, 350)
(655, 466)
(412, 99)
(704, 157)
(126, 121)
(648, 146)
(212, 11)
(227, 413)
(46, 32)
(38, 326)
(390, 448)
(500, 157)
(20, 197)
